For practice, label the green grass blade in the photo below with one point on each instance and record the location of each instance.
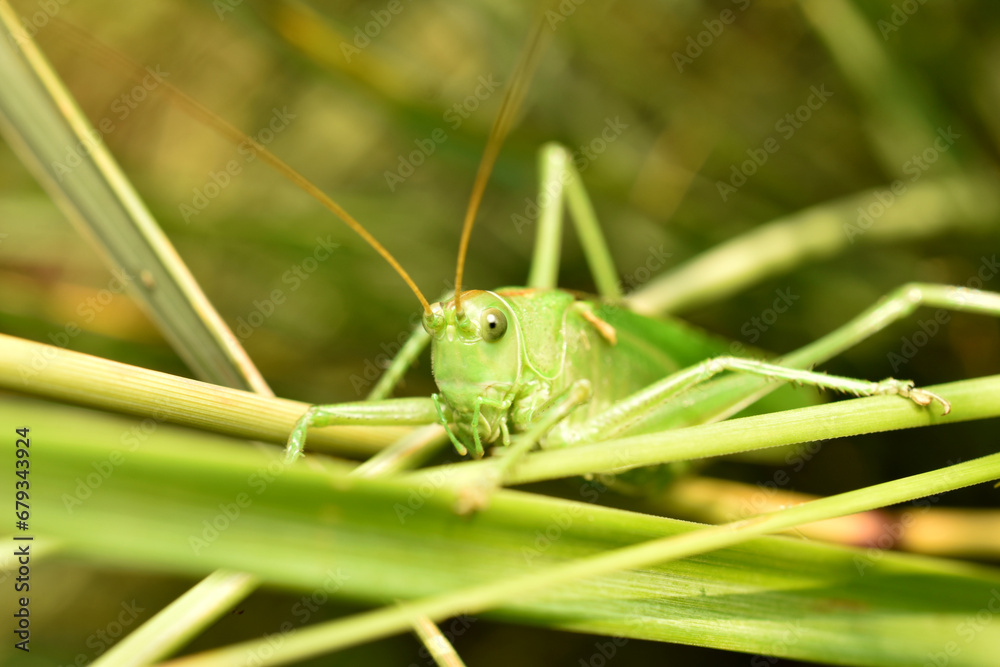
(79, 378)
(192, 503)
(927, 209)
(182, 620)
(340, 634)
(970, 400)
(60, 374)
(40, 119)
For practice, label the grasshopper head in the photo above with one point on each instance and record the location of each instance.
(477, 363)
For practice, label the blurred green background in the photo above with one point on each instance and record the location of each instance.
(688, 115)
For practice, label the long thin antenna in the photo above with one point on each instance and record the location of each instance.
(509, 106)
(195, 109)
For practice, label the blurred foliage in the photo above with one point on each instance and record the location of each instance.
(353, 118)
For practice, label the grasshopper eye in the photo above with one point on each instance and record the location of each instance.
(493, 325)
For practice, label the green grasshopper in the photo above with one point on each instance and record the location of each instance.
(504, 359)
(559, 368)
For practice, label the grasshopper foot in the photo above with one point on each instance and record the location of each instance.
(919, 396)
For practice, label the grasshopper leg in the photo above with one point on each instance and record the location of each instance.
(632, 409)
(476, 495)
(897, 305)
(390, 412)
(560, 181)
